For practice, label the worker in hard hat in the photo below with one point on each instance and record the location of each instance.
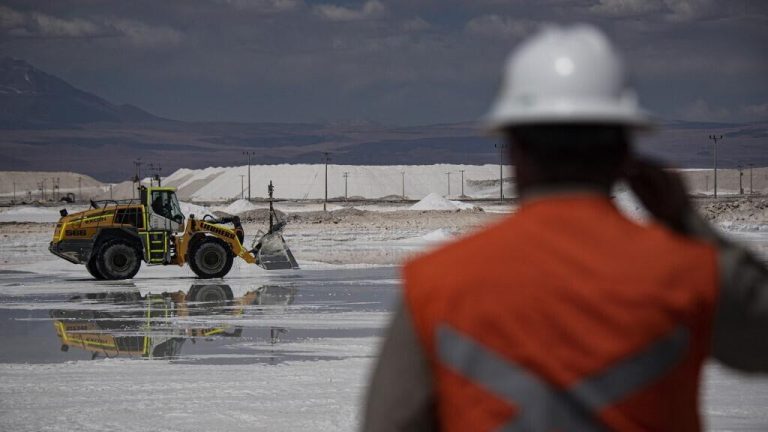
(567, 315)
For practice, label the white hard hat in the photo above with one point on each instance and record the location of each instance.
(565, 76)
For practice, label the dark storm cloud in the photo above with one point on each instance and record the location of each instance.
(402, 61)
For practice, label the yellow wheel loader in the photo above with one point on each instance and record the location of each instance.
(113, 237)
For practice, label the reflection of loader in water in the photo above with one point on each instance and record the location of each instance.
(148, 326)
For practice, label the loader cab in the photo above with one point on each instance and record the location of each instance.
(163, 209)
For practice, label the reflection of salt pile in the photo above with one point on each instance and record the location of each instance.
(434, 201)
(239, 206)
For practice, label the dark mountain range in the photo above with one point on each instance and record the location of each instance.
(47, 124)
(31, 98)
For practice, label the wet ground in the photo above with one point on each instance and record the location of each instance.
(281, 350)
(46, 319)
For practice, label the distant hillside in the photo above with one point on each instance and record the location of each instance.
(50, 125)
(32, 98)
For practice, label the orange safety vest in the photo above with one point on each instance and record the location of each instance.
(566, 316)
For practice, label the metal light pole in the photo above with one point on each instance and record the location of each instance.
(501, 147)
(346, 176)
(137, 176)
(715, 139)
(156, 169)
(242, 188)
(751, 191)
(462, 183)
(326, 158)
(80, 189)
(449, 184)
(741, 176)
(249, 154)
(14, 190)
(403, 174)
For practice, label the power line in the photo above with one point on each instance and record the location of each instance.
(326, 158)
(403, 174)
(501, 147)
(346, 177)
(715, 139)
(249, 154)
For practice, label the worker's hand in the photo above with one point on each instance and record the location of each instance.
(662, 192)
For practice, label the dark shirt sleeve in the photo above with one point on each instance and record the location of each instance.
(740, 334)
(401, 393)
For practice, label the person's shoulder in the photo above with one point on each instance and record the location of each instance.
(675, 246)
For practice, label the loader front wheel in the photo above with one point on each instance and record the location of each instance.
(210, 258)
(117, 259)
(91, 267)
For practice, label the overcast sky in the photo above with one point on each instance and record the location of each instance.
(394, 62)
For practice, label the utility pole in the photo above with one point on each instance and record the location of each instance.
(741, 176)
(715, 139)
(53, 188)
(346, 176)
(462, 183)
(249, 154)
(80, 189)
(110, 191)
(14, 189)
(157, 169)
(326, 158)
(449, 184)
(242, 188)
(137, 177)
(403, 174)
(751, 191)
(501, 147)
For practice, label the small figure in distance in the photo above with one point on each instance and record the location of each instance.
(567, 315)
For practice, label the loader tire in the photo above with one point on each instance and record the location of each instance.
(118, 259)
(210, 258)
(91, 267)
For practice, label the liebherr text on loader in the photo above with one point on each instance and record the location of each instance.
(113, 237)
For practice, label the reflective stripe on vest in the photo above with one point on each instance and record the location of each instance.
(543, 407)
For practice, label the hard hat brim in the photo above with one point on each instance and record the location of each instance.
(505, 116)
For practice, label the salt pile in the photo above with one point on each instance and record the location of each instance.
(464, 206)
(198, 211)
(239, 206)
(434, 201)
(438, 235)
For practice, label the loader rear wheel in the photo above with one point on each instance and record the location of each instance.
(91, 267)
(117, 259)
(210, 258)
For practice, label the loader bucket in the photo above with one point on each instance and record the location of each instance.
(273, 253)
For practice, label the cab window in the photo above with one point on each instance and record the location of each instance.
(165, 204)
